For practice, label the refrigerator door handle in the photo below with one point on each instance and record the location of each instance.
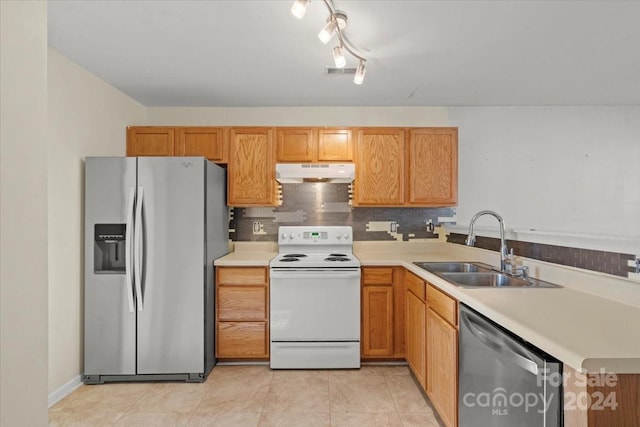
(137, 242)
(129, 248)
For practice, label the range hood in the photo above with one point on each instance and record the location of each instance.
(295, 173)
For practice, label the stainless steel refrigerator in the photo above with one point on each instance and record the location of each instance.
(153, 226)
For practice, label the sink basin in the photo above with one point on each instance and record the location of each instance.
(494, 280)
(453, 267)
(478, 275)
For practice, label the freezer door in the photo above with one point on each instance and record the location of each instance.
(171, 313)
(110, 321)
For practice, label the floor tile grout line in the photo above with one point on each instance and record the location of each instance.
(393, 397)
(264, 403)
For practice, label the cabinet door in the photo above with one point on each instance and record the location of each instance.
(379, 167)
(242, 303)
(150, 141)
(296, 145)
(416, 355)
(335, 145)
(208, 142)
(433, 166)
(377, 321)
(242, 340)
(442, 367)
(251, 167)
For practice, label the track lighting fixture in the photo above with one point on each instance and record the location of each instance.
(336, 23)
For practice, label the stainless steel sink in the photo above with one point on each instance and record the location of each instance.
(494, 280)
(478, 275)
(453, 267)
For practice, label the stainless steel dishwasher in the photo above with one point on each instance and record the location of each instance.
(503, 380)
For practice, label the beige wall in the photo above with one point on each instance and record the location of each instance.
(299, 116)
(565, 169)
(23, 213)
(87, 117)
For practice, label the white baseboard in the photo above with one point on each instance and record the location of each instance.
(63, 391)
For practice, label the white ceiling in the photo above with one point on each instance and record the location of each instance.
(419, 53)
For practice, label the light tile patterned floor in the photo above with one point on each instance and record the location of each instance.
(255, 396)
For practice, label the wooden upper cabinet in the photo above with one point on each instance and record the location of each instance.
(335, 145)
(251, 170)
(433, 166)
(379, 167)
(296, 145)
(150, 141)
(208, 142)
(314, 145)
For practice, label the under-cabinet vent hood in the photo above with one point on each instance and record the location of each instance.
(294, 173)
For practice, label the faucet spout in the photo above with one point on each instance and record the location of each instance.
(471, 238)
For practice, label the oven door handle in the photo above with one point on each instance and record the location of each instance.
(324, 273)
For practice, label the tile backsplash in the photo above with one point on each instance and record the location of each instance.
(328, 204)
(613, 263)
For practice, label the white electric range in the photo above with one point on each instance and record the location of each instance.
(315, 299)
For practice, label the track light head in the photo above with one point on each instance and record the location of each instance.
(338, 57)
(299, 8)
(327, 32)
(359, 77)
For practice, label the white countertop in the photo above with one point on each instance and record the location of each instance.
(577, 326)
(257, 254)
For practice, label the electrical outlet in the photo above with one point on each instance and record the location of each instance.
(430, 226)
(256, 227)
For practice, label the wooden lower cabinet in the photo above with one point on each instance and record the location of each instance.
(594, 399)
(242, 340)
(442, 367)
(377, 321)
(416, 337)
(383, 320)
(242, 313)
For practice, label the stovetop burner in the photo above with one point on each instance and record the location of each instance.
(338, 258)
(315, 247)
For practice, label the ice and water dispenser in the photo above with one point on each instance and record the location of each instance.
(109, 249)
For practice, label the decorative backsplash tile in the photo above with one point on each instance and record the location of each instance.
(588, 259)
(328, 204)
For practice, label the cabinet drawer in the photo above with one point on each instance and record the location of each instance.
(377, 276)
(242, 276)
(442, 304)
(242, 340)
(415, 284)
(242, 303)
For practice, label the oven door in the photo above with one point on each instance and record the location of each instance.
(311, 305)
(315, 318)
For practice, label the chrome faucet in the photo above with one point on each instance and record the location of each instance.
(471, 239)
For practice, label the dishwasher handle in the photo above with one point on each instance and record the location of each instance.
(484, 334)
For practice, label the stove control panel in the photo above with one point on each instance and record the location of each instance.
(315, 235)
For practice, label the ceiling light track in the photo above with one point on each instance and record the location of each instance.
(336, 23)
